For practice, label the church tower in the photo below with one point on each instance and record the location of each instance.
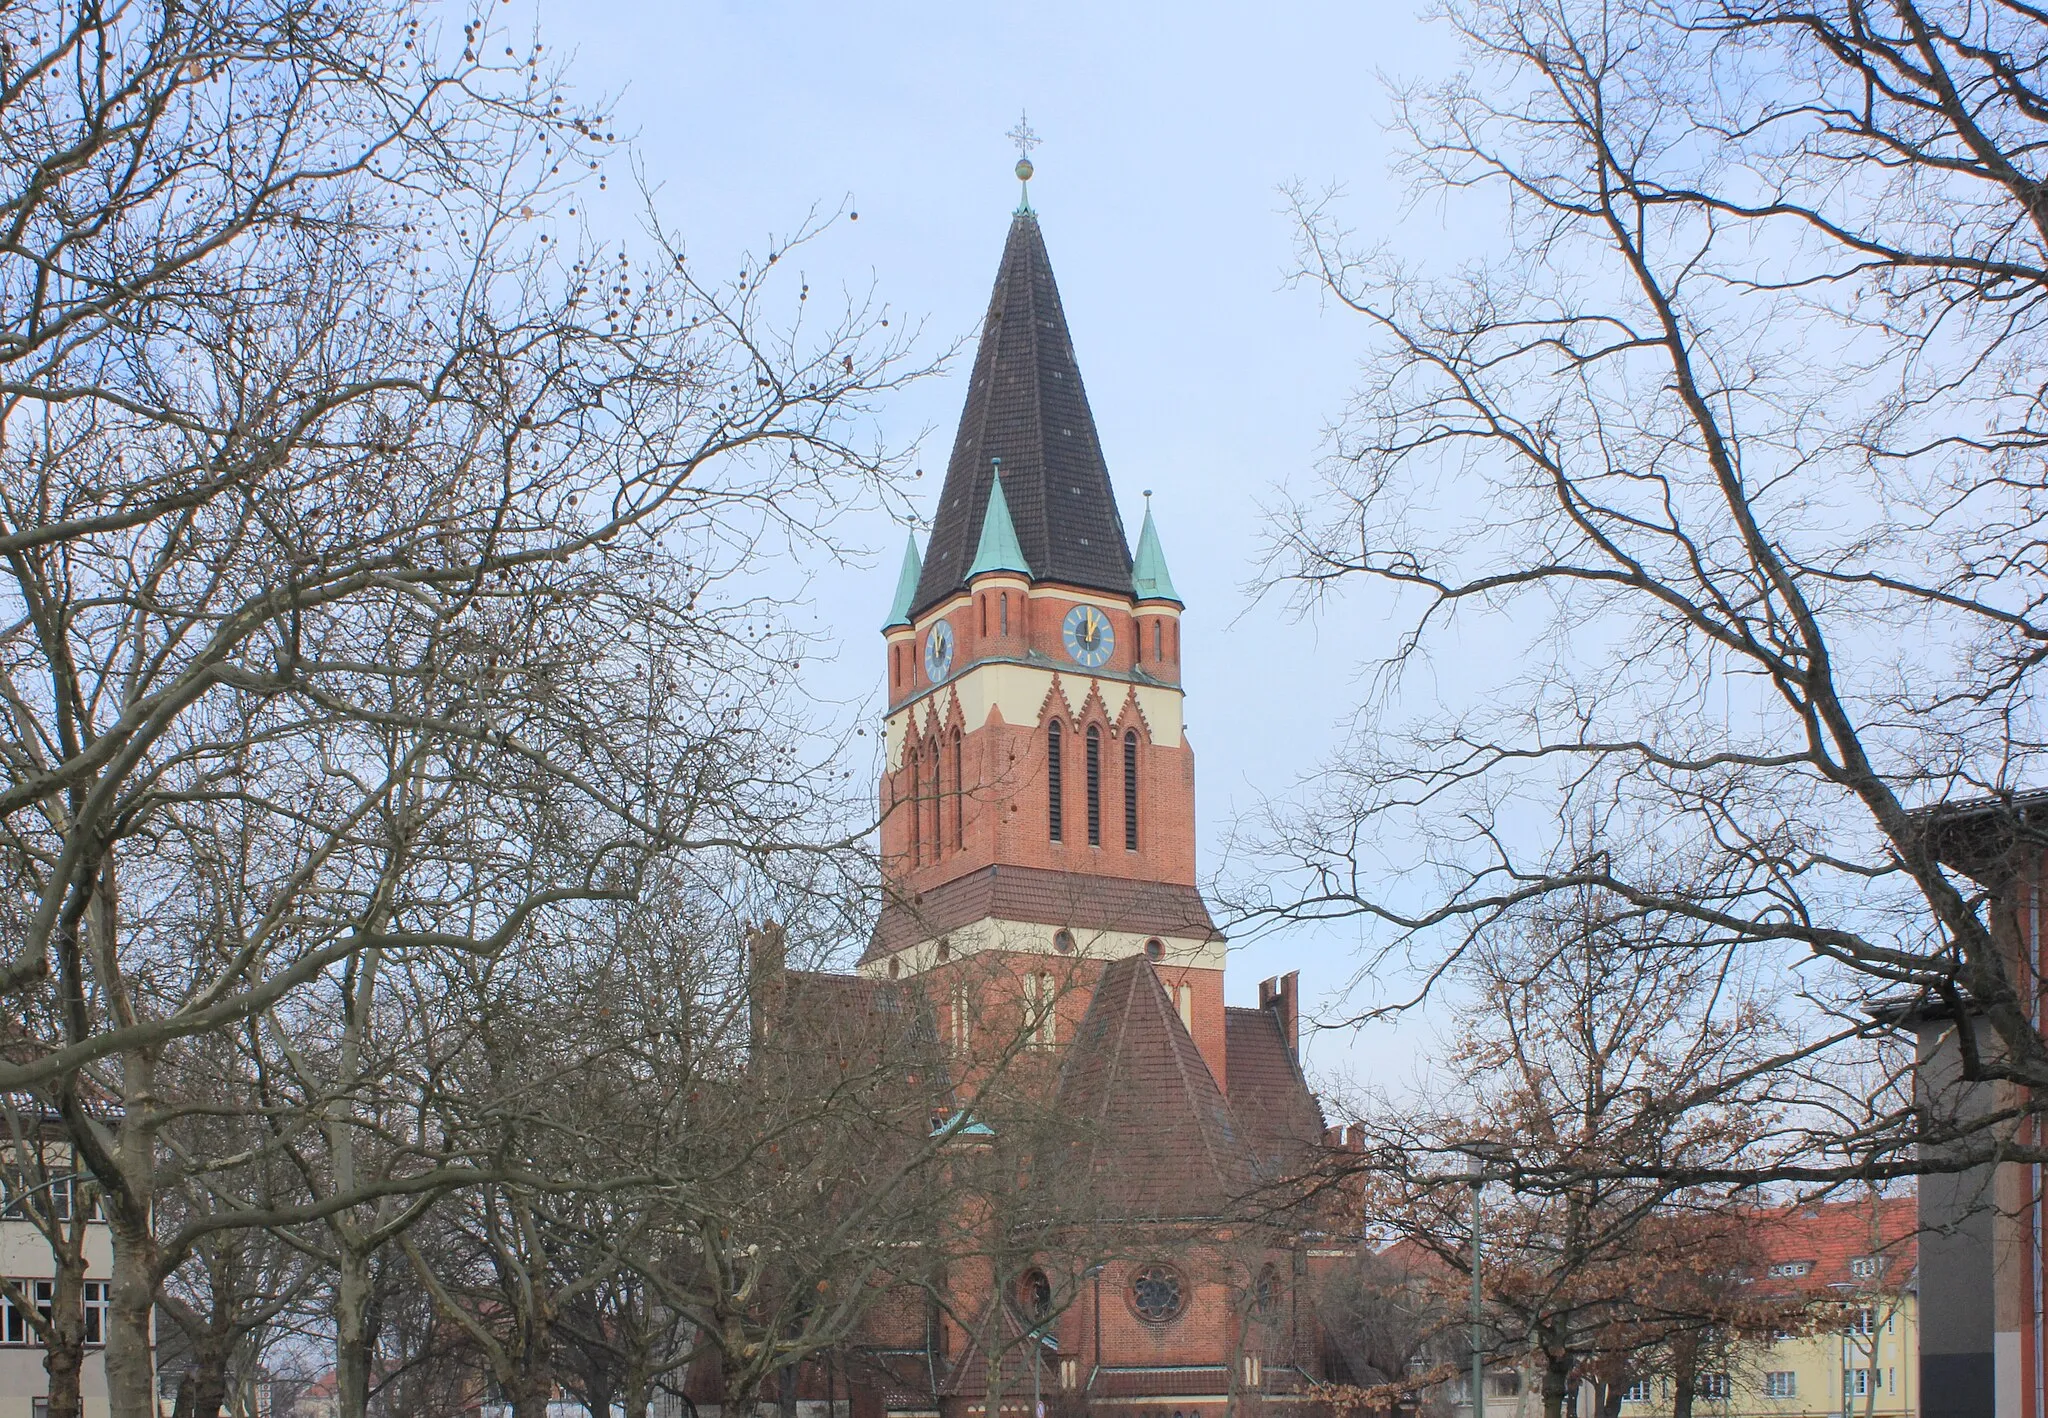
(1038, 800)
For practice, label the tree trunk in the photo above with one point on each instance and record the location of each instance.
(64, 1348)
(534, 1384)
(1685, 1374)
(637, 1384)
(352, 1334)
(203, 1390)
(1557, 1376)
(129, 1362)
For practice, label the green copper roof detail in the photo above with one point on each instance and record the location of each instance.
(998, 549)
(906, 585)
(1149, 576)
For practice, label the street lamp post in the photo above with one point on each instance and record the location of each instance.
(1477, 1155)
(1475, 1170)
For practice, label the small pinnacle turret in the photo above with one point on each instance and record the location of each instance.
(998, 549)
(906, 585)
(1149, 576)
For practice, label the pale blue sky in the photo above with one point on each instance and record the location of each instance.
(1167, 135)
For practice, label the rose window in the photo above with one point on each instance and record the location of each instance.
(1157, 1294)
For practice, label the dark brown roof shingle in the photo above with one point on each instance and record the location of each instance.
(1026, 406)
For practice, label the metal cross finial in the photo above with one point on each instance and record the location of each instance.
(1022, 135)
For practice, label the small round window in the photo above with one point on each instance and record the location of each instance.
(1158, 1294)
(945, 949)
(895, 967)
(1063, 942)
(1037, 1296)
(1155, 949)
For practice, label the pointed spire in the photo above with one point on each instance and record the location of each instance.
(1025, 405)
(906, 585)
(998, 549)
(1149, 575)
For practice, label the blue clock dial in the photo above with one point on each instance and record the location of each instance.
(938, 651)
(1088, 636)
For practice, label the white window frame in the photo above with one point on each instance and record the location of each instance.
(1781, 1383)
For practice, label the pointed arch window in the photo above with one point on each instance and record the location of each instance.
(1054, 817)
(1094, 786)
(1003, 613)
(1130, 790)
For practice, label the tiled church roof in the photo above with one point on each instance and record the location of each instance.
(1049, 898)
(1268, 1095)
(1160, 1138)
(1026, 407)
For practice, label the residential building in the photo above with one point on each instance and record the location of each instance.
(36, 1192)
(1840, 1283)
(1849, 1340)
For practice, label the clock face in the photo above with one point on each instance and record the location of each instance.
(938, 651)
(1088, 635)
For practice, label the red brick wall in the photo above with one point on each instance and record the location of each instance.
(1035, 621)
(1003, 814)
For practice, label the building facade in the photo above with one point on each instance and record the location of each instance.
(1984, 1266)
(1038, 834)
(41, 1192)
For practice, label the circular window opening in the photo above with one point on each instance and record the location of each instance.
(1155, 949)
(1157, 1294)
(1063, 942)
(1037, 1296)
(945, 950)
(895, 967)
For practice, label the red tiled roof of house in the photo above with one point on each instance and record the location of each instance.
(1159, 1132)
(1048, 898)
(1817, 1248)
(1814, 1249)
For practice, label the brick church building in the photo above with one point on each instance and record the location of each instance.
(1038, 832)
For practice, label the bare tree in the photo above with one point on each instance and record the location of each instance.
(1745, 408)
(367, 536)
(1592, 1054)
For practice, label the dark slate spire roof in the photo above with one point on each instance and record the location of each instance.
(1026, 407)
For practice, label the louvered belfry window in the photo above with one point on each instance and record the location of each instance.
(1094, 786)
(1130, 790)
(1055, 824)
